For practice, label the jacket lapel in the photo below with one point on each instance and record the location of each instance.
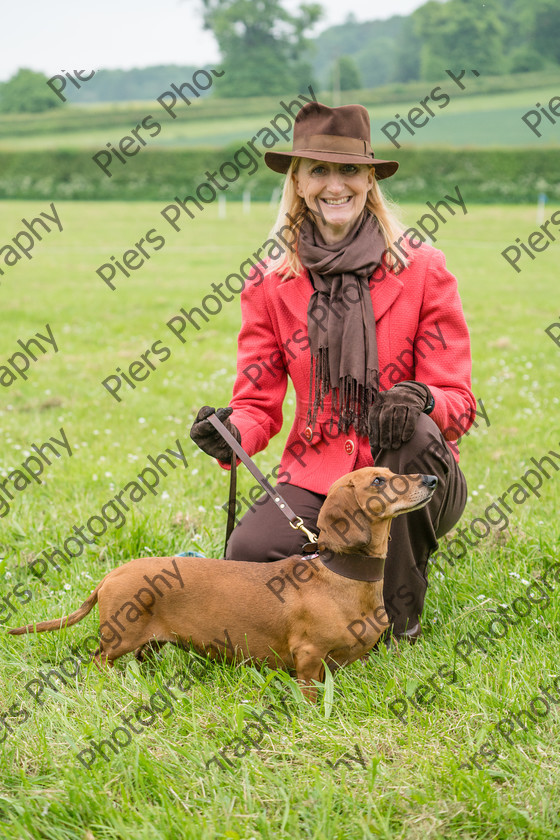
(385, 292)
(293, 296)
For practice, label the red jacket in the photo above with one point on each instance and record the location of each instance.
(421, 335)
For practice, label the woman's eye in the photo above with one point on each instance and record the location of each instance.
(350, 169)
(318, 170)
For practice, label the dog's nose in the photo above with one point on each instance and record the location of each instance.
(430, 481)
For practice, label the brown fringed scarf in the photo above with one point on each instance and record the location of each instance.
(343, 344)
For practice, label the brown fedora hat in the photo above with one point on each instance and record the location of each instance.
(340, 135)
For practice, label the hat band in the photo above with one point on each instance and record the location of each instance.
(333, 143)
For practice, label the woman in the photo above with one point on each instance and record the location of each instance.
(369, 326)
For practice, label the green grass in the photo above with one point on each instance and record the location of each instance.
(470, 119)
(412, 786)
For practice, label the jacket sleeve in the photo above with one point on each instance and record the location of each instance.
(446, 372)
(261, 381)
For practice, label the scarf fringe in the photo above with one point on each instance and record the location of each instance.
(351, 401)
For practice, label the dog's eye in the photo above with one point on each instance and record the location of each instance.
(378, 480)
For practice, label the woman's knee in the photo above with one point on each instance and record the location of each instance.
(425, 444)
(264, 534)
(245, 540)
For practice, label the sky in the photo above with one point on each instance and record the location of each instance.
(61, 35)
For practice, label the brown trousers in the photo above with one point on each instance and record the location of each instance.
(264, 533)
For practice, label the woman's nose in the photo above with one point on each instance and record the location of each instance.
(335, 182)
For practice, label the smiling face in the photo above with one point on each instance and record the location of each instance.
(336, 194)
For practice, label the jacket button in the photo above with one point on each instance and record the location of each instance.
(308, 433)
(349, 446)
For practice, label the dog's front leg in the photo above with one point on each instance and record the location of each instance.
(309, 668)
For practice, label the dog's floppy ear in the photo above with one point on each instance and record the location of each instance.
(343, 525)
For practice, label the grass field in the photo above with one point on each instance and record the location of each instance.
(468, 120)
(157, 787)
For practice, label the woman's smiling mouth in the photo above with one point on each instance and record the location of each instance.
(336, 201)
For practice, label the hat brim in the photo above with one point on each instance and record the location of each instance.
(280, 161)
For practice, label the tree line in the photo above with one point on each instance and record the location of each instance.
(267, 50)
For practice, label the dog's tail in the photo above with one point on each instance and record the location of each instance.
(58, 623)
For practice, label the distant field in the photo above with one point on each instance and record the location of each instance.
(411, 787)
(492, 119)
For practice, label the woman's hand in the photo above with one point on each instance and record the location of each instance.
(393, 416)
(208, 438)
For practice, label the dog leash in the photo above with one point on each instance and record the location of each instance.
(296, 521)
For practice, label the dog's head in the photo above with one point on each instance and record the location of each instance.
(357, 513)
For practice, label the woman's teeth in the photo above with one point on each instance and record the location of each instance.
(335, 201)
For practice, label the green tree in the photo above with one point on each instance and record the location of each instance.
(262, 45)
(27, 92)
(406, 53)
(525, 59)
(371, 45)
(546, 29)
(345, 73)
(376, 62)
(455, 38)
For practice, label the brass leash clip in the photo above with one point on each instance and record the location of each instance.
(297, 524)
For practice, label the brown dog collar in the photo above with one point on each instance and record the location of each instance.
(367, 567)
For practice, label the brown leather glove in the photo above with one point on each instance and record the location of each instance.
(393, 416)
(208, 438)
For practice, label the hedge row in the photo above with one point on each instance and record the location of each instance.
(80, 118)
(483, 175)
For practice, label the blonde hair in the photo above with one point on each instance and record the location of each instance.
(288, 263)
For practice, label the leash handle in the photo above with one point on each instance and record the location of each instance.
(295, 520)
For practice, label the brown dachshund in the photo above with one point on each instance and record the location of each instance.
(294, 614)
